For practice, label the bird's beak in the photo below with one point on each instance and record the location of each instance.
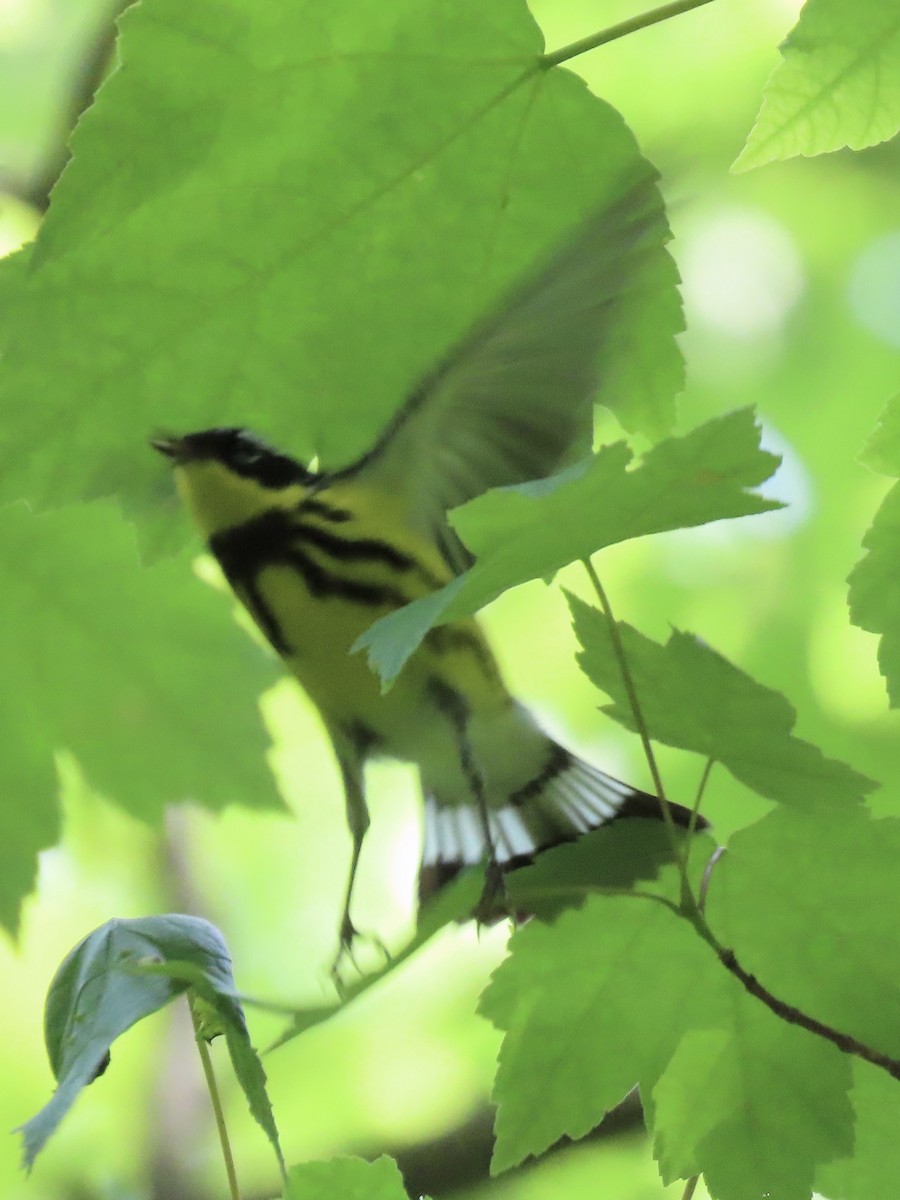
(169, 445)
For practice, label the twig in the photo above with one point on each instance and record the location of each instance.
(613, 32)
(794, 1016)
(701, 789)
(216, 1101)
(630, 690)
(641, 727)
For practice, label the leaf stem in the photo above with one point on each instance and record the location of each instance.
(216, 1101)
(701, 788)
(690, 1187)
(641, 726)
(707, 876)
(692, 828)
(613, 32)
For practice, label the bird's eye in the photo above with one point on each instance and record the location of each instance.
(246, 454)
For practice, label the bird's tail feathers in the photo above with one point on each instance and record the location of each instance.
(567, 800)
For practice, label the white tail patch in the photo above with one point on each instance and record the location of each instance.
(567, 799)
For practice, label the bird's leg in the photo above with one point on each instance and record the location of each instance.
(494, 894)
(358, 821)
(494, 890)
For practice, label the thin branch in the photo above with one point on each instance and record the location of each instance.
(639, 722)
(613, 32)
(631, 691)
(787, 1012)
(701, 789)
(794, 1016)
(690, 1187)
(216, 1101)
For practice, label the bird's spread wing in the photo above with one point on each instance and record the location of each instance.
(513, 399)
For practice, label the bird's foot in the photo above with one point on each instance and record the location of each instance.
(350, 939)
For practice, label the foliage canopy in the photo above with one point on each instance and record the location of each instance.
(253, 197)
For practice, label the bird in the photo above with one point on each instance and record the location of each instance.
(317, 555)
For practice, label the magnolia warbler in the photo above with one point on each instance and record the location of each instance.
(317, 556)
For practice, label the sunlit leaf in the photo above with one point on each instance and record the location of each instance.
(754, 1107)
(99, 992)
(873, 1166)
(839, 83)
(874, 595)
(255, 262)
(12, 273)
(810, 904)
(624, 992)
(141, 674)
(882, 451)
(530, 532)
(591, 1006)
(346, 1179)
(693, 698)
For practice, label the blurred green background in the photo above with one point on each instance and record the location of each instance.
(792, 289)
